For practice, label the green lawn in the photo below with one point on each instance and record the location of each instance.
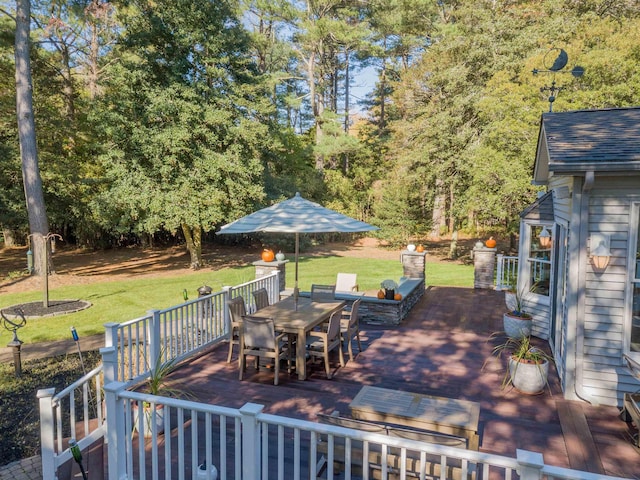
(119, 301)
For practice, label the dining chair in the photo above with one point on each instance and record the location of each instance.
(347, 282)
(237, 310)
(350, 327)
(259, 339)
(261, 298)
(323, 293)
(321, 343)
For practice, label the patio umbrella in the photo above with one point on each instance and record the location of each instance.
(296, 215)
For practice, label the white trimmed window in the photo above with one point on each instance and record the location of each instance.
(539, 259)
(635, 308)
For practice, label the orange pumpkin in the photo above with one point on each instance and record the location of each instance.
(420, 248)
(268, 255)
(397, 296)
(491, 243)
(380, 294)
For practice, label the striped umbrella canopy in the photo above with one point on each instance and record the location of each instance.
(296, 215)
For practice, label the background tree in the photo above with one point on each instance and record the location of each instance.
(185, 123)
(36, 211)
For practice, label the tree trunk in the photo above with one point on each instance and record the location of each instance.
(438, 216)
(193, 237)
(38, 223)
(383, 88)
(453, 246)
(94, 52)
(9, 236)
(345, 163)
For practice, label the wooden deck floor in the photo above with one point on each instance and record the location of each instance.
(439, 350)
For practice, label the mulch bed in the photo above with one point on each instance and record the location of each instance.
(37, 309)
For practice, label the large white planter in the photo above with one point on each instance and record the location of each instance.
(529, 378)
(517, 327)
(510, 300)
(147, 419)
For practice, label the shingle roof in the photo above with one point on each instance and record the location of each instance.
(605, 140)
(540, 210)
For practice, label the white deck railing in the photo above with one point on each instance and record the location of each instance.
(248, 444)
(179, 331)
(74, 413)
(506, 272)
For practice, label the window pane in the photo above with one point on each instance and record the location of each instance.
(540, 275)
(540, 259)
(540, 245)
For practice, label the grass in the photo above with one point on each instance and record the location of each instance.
(119, 301)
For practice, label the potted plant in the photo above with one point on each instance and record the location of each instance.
(528, 365)
(389, 289)
(156, 384)
(517, 322)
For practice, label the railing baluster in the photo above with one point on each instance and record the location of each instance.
(296, 454)
(222, 471)
(181, 465)
(281, 452)
(194, 442)
(238, 449)
(167, 443)
(265, 451)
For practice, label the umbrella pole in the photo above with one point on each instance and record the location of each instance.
(296, 292)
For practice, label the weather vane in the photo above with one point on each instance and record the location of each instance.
(560, 59)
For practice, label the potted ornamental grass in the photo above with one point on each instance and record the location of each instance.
(156, 384)
(516, 321)
(527, 365)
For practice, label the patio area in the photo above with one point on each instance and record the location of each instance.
(439, 350)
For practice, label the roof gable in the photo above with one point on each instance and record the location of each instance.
(541, 210)
(605, 140)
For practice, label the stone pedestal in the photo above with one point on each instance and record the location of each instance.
(484, 264)
(413, 264)
(264, 269)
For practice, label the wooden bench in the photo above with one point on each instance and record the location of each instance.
(413, 464)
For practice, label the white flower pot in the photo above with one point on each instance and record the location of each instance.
(510, 300)
(529, 378)
(517, 327)
(147, 419)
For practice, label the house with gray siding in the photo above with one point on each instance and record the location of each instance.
(589, 162)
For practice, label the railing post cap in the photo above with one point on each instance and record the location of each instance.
(251, 408)
(530, 459)
(226, 288)
(114, 387)
(46, 392)
(110, 324)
